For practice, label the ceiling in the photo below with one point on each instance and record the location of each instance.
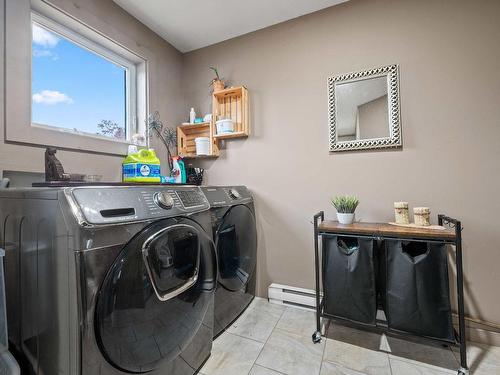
(193, 24)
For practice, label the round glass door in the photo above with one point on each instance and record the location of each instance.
(236, 248)
(155, 296)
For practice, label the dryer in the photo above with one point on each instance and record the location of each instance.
(109, 280)
(235, 237)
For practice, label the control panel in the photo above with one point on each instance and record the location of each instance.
(233, 193)
(226, 195)
(191, 198)
(106, 205)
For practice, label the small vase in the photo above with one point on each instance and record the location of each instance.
(345, 218)
(218, 85)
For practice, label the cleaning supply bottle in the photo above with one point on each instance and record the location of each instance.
(192, 116)
(178, 170)
(141, 166)
(182, 167)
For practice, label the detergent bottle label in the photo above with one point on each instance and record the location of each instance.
(141, 170)
(145, 170)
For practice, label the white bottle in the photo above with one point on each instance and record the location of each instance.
(192, 116)
(132, 149)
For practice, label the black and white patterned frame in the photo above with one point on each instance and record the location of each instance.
(395, 137)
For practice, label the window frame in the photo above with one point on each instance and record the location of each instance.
(18, 79)
(107, 54)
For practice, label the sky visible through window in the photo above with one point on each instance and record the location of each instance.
(73, 88)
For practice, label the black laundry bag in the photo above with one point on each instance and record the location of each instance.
(417, 295)
(349, 278)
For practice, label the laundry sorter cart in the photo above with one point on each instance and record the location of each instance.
(364, 267)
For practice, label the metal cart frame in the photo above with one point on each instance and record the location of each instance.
(460, 339)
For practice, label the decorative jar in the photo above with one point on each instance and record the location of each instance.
(422, 216)
(401, 213)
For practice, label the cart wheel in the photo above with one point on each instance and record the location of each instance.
(463, 371)
(316, 337)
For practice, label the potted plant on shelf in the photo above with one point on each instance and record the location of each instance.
(345, 206)
(217, 83)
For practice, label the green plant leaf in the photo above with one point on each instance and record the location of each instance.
(215, 71)
(345, 204)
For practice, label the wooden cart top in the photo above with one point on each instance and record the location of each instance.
(386, 230)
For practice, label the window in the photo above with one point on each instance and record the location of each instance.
(64, 77)
(79, 86)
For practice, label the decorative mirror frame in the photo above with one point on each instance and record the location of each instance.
(395, 137)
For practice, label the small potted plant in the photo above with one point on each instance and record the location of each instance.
(345, 206)
(217, 83)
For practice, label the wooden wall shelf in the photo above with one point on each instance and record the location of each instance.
(231, 103)
(231, 135)
(186, 135)
(199, 156)
(199, 125)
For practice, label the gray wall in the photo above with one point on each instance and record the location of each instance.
(165, 65)
(450, 90)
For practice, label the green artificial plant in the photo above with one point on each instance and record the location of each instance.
(215, 71)
(345, 204)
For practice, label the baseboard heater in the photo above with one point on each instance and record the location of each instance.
(292, 296)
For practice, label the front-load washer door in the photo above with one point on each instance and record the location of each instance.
(155, 296)
(236, 241)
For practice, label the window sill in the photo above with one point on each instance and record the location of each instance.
(77, 133)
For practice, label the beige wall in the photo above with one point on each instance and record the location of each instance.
(450, 90)
(164, 64)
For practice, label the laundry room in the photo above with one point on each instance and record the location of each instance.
(249, 188)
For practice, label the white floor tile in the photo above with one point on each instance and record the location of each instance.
(291, 354)
(357, 358)
(328, 368)
(418, 352)
(402, 367)
(259, 370)
(271, 339)
(263, 303)
(359, 337)
(232, 355)
(258, 321)
(301, 322)
(482, 359)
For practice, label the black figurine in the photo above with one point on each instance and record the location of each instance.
(54, 170)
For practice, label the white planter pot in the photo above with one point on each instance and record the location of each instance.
(345, 218)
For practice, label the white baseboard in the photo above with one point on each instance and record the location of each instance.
(292, 296)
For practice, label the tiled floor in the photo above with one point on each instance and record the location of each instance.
(272, 339)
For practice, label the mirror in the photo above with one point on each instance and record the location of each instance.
(364, 110)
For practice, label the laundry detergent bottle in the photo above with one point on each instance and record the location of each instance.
(178, 170)
(141, 166)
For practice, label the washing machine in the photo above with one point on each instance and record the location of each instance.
(235, 237)
(109, 280)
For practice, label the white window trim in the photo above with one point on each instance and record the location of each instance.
(19, 129)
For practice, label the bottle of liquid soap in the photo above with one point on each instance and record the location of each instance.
(192, 116)
(179, 170)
